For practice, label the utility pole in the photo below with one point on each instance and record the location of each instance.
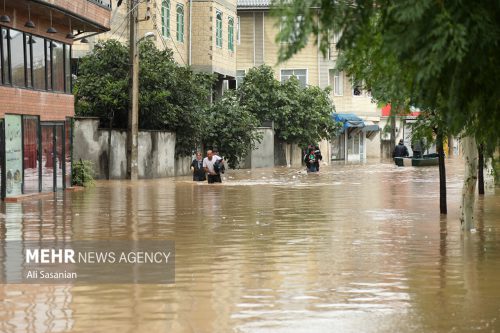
(133, 115)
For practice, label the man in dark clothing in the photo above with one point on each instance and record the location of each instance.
(310, 160)
(319, 157)
(197, 168)
(400, 150)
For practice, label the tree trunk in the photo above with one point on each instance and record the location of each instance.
(450, 145)
(469, 188)
(393, 135)
(480, 169)
(442, 175)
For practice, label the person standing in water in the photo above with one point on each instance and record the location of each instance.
(197, 168)
(208, 166)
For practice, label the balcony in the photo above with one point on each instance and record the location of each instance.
(102, 3)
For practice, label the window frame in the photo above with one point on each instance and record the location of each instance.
(165, 18)
(179, 27)
(238, 76)
(230, 33)
(293, 74)
(218, 29)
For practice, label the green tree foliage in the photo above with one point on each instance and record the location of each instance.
(231, 128)
(444, 52)
(300, 115)
(171, 97)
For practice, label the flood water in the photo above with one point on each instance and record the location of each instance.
(356, 248)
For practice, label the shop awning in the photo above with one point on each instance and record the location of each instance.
(350, 120)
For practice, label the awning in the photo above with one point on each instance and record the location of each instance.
(371, 129)
(350, 120)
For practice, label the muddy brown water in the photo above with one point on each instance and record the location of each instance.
(356, 248)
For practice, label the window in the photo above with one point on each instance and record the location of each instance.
(67, 68)
(300, 74)
(58, 66)
(240, 75)
(38, 50)
(29, 61)
(337, 82)
(180, 23)
(218, 29)
(165, 18)
(230, 34)
(5, 56)
(238, 30)
(356, 87)
(17, 61)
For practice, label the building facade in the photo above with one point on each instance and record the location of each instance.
(35, 89)
(201, 34)
(257, 45)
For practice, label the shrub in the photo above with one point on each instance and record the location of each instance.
(83, 173)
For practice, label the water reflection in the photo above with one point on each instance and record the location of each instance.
(357, 248)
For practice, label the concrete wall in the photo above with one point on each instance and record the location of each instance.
(156, 151)
(263, 154)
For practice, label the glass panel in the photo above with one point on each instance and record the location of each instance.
(38, 47)
(356, 144)
(5, 56)
(165, 18)
(180, 23)
(68, 152)
(58, 66)
(67, 68)
(47, 158)
(48, 64)
(28, 40)
(17, 57)
(59, 157)
(218, 31)
(30, 137)
(230, 34)
(13, 155)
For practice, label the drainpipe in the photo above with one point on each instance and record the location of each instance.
(190, 29)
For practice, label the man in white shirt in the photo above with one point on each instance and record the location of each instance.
(208, 165)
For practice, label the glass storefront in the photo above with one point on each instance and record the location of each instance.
(36, 156)
(30, 151)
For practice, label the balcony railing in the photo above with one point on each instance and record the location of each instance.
(102, 3)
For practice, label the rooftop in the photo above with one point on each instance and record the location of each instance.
(254, 4)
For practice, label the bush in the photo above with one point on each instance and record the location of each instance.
(83, 173)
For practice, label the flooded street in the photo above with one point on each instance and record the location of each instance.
(357, 248)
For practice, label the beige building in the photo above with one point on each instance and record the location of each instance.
(200, 33)
(257, 45)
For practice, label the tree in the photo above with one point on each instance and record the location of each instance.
(447, 49)
(231, 128)
(300, 115)
(171, 97)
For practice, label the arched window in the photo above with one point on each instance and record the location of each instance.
(180, 23)
(230, 34)
(165, 18)
(218, 29)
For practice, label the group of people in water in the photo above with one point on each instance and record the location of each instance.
(312, 157)
(209, 168)
(212, 166)
(402, 151)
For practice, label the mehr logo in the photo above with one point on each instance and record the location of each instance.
(50, 256)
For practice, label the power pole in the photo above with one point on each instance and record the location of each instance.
(133, 115)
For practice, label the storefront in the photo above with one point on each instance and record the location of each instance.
(35, 115)
(35, 155)
(350, 144)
